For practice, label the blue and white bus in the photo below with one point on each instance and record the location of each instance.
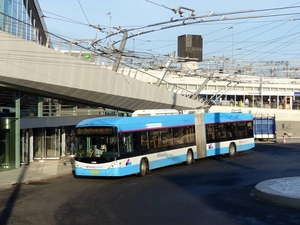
(120, 146)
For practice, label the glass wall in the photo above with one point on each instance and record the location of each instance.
(7, 143)
(15, 20)
(7, 129)
(46, 143)
(28, 105)
(24, 147)
(52, 143)
(255, 100)
(1, 15)
(39, 145)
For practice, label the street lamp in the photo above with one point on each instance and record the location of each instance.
(232, 43)
(109, 14)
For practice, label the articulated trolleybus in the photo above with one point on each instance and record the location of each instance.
(120, 146)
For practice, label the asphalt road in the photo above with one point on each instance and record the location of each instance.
(216, 190)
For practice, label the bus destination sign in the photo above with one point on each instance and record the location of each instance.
(95, 131)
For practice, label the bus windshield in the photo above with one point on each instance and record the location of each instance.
(96, 148)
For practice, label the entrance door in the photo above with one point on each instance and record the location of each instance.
(52, 143)
(287, 102)
(24, 147)
(5, 149)
(39, 144)
(46, 143)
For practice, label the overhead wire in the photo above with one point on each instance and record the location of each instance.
(281, 8)
(275, 50)
(266, 44)
(244, 41)
(84, 12)
(175, 43)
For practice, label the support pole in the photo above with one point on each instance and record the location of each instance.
(165, 69)
(119, 54)
(195, 95)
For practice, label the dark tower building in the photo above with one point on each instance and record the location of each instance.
(190, 46)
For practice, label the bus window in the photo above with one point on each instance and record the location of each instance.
(125, 143)
(231, 131)
(241, 130)
(220, 131)
(166, 138)
(154, 140)
(136, 142)
(81, 147)
(210, 133)
(190, 135)
(179, 136)
(250, 129)
(144, 141)
(112, 145)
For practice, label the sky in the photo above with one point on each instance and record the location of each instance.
(251, 31)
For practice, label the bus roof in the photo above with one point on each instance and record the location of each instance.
(127, 124)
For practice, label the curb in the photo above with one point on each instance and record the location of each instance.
(43, 178)
(25, 182)
(266, 192)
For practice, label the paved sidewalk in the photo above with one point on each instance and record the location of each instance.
(37, 171)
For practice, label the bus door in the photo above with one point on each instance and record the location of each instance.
(126, 144)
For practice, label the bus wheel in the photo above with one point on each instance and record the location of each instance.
(232, 149)
(143, 167)
(189, 157)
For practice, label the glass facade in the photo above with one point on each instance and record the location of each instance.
(7, 143)
(46, 143)
(38, 142)
(7, 129)
(15, 20)
(252, 96)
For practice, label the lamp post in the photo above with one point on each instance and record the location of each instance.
(232, 44)
(109, 14)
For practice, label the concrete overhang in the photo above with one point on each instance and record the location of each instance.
(34, 68)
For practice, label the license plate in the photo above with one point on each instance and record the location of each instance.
(94, 172)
